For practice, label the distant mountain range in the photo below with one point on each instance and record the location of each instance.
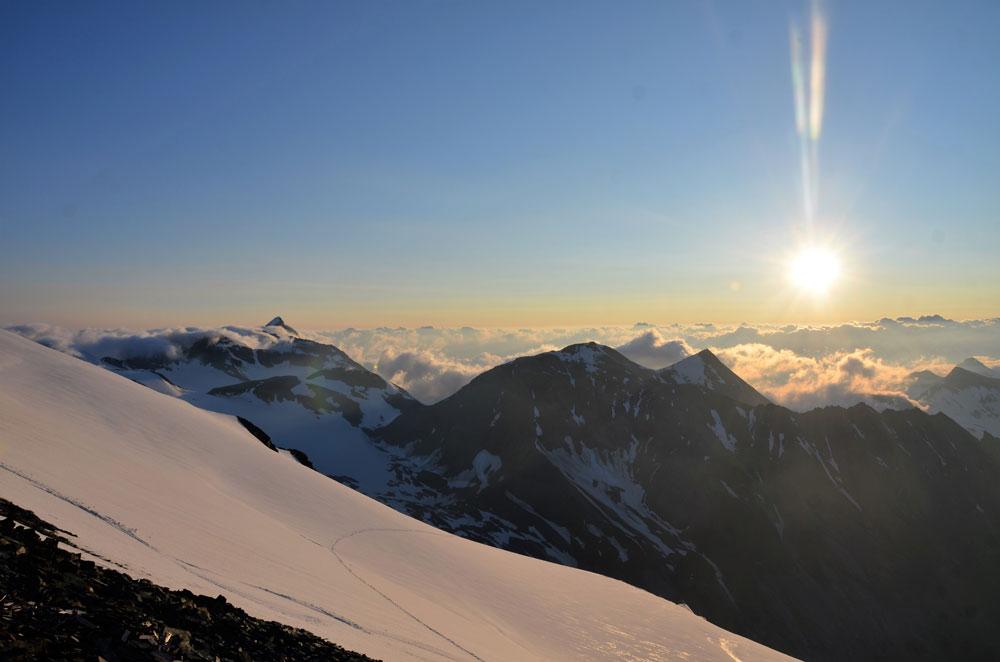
(969, 394)
(839, 533)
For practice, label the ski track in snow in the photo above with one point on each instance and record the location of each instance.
(203, 574)
(110, 521)
(347, 566)
(357, 626)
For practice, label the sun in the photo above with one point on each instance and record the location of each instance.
(814, 269)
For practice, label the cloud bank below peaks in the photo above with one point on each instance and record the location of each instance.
(797, 366)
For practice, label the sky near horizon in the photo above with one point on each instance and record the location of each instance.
(505, 164)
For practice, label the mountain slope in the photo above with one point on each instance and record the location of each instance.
(970, 397)
(304, 394)
(791, 528)
(706, 370)
(187, 498)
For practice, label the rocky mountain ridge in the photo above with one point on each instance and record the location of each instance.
(792, 528)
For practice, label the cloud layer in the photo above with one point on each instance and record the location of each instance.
(797, 366)
(839, 378)
(652, 350)
(94, 344)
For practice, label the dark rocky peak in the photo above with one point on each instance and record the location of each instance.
(565, 370)
(920, 382)
(960, 378)
(278, 322)
(706, 370)
(531, 400)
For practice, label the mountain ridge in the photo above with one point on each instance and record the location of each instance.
(739, 511)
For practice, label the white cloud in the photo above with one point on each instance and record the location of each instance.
(797, 366)
(427, 377)
(837, 378)
(95, 344)
(652, 350)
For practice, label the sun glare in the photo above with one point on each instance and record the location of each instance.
(814, 270)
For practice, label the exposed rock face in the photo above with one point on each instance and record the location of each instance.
(57, 606)
(834, 534)
(277, 321)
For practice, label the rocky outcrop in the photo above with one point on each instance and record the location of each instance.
(56, 605)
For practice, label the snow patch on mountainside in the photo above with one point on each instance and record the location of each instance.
(969, 395)
(605, 478)
(726, 439)
(690, 371)
(484, 464)
(588, 355)
(976, 408)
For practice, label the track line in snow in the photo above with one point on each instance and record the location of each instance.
(333, 550)
(193, 569)
(413, 643)
(317, 609)
(110, 521)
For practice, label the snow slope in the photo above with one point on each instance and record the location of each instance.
(188, 498)
(969, 395)
(706, 370)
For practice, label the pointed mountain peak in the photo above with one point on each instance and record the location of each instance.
(707, 356)
(918, 383)
(585, 347)
(959, 377)
(590, 354)
(277, 321)
(973, 364)
(698, 369)
(706, 370)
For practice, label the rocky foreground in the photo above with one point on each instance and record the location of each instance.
(55, 605)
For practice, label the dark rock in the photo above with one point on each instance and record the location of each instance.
(257, 432)
(55, 606)
(301, 457)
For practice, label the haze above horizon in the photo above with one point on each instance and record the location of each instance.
(449, 164)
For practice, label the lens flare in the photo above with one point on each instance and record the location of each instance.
(817, 74)
(809, 98)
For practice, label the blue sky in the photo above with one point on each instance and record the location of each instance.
(488, 163)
